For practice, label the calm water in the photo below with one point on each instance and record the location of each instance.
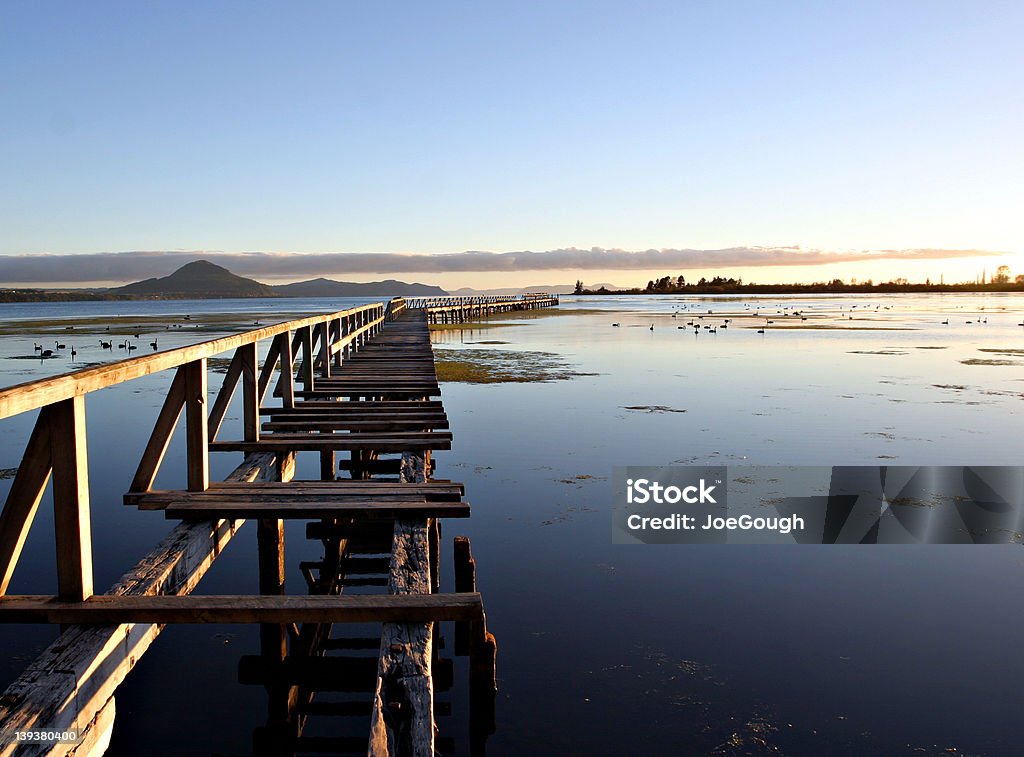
(638, 649)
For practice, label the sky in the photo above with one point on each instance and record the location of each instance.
(888, 130)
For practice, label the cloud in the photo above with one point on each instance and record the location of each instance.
(135, 265)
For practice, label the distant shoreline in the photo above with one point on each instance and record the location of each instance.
(888, 288)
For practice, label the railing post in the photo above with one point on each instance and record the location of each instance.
(71, 499)
(197, 441)
(250, 393)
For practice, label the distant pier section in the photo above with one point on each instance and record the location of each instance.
(462, 309)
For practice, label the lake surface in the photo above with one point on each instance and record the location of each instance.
(625, 649)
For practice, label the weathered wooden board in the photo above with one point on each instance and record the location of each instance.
(256, 608)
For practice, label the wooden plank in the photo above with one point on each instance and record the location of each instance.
(71, 522)
(403, 703)
(227, 391)
(192, 608)
(374, 510)
(410, 424)
(329, 408)
(297, 491)
(196, 433)
(24, 497)
(160, 438)
(34, 394)
(315, 442)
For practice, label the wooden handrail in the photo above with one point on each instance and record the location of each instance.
(32, 395)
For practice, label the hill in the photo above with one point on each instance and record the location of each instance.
(330, 288)
(197, 280)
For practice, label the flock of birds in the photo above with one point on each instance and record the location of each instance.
(786, 312)
(127, 345)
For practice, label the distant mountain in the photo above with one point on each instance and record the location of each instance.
(197, 280)
(329, 288)
(549, 288)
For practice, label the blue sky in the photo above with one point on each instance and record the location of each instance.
(444, 127)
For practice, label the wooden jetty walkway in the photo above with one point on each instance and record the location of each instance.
(360, 382)
(462, 309)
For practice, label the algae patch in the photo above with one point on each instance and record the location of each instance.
(979, 361)
(654, 408)
(491, 366)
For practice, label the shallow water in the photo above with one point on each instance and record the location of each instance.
(611, 649)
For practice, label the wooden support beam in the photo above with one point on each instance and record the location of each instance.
(267, 371)
(270, 548)
(160, 439)
(196, 433)
(227, 390)
(191, 608)
(71, 520)
(23, 498)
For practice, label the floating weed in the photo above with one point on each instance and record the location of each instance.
(654, 408)
(999, 351)
(473, 366)
(989, 361)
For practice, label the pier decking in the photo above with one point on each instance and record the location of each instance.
(359, 381)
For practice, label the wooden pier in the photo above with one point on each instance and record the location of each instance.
(359, 382)
(462, 309)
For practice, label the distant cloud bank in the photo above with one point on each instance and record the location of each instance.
(132, 266)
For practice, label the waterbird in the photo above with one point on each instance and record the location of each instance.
(153, 344)
(59, 345)
(73, 352)
(46, 353)
(615, 324)
(132, 347)
(106, 345)
(652, 327)
(122, 345)
(37, 347)
(760, 331)
(945, 322)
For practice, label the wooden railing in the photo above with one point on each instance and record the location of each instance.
(419, 303)
(304, 348)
